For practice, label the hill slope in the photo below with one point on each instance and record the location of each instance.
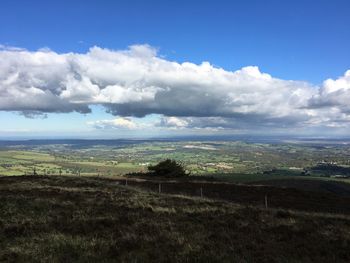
(64, 219)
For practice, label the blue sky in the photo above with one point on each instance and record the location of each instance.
(290, 40)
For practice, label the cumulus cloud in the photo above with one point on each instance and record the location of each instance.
(222, 123)
(137, 82)
(334, 93)
(173, 122)
(118, 123)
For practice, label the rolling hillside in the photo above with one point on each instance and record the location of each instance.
(66, 219)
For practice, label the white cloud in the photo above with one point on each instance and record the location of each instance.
(173, 122)
(118, 123)
(138, 82)
(334, 93)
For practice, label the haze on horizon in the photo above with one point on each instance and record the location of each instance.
(115, 69)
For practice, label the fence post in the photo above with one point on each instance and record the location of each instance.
(159, 188)
(126, 182)
(201, 192)
(266, 202)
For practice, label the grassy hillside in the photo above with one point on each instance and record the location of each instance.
(66, 219)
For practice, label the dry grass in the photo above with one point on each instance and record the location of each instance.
(66, 219)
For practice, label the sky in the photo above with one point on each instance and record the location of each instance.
(116, 69)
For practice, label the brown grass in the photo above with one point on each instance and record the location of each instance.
(66, 219)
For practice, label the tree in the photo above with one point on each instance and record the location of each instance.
(168, 168)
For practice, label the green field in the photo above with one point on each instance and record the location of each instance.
(227, 160)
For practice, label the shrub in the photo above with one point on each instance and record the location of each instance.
(282, 214)
(168, 168)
